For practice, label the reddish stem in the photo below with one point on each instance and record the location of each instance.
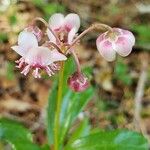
(94, 26)
(76, 61)
(47, 25)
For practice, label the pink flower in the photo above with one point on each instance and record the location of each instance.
(78, 82)
(36, 57)
(65, 27)
(118, 41)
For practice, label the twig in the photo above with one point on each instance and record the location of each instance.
(138, 97)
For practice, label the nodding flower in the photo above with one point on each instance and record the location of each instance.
(65, 27)
(36, 57)
(116, 41)
(78, 82)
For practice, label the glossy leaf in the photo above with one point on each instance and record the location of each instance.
(110, 140)
(16, 135)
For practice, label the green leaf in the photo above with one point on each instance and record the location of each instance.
(110, 140)
(51, 112)
(121, 72)
(10, 71)
(13, 19)
(49, 9)
(72, 104)
(3, 37)
(46, 147)
(82, 130)
(143, 34)
(16, 135)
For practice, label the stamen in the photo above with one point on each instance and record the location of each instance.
(49, 71)
(25, 70)
(36, 73)
(20, 62)
(54, 67)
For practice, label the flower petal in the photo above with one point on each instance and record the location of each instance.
(123, 46)
(129, 35)
(106, 50)
(20, 50)
(71, 35)
(56, 56)
(72, 21)
(51, 36)
(42, 56)
(27, 39)
(56, 21)
(39, 56)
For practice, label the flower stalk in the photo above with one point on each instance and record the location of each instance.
(58, 107)
(47, 25)
(98, 26)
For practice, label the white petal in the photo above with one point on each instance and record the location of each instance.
(106, 50)
(51, 36)
(72, 21)
(123, 46)
(71, 35)
(56, 21)
(43, 56)
(27, 39)
(56, 56)
(129, 35)
(20, 50)
(38, 56)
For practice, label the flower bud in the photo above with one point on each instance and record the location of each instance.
(36, 31)
(78, 82)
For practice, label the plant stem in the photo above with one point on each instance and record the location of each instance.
(76, 61)
(58, 107)
(47, 25)
(98, 26)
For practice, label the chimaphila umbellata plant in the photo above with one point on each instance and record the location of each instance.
(62, 34)
(65, 104)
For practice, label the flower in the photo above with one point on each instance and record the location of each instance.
(65, 27)
(78, 82)
(36, 57)
(116, 41)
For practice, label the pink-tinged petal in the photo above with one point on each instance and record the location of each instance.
(27, 40)
(102, 37)
(123, 46)
(21, 50)
(56, 56)
(71, 35)
(106, 50)
(72, 21)
(51, 36)
(42, 56)
(35, 30)
(56, 21)
(39, 56)
(128, 35)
